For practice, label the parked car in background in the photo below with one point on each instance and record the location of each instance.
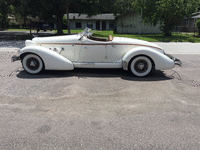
(85, 51)
(40, 25)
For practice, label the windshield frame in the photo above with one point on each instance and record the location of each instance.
(85, 32)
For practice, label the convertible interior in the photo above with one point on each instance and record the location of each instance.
(110, 38)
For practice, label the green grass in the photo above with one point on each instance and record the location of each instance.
(17, 30)
(72, 31)
(176, 37)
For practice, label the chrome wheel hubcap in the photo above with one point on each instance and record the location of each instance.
(140, 66)
(33, 63)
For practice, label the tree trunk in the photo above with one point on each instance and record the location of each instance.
(4, 23)
(25, 19)
(68, 25)
(199, 30)
(167, 29)
(59, 24)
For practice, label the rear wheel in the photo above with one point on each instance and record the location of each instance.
(32, 63)
(141, 66)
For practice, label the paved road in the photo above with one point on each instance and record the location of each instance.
(100, 109)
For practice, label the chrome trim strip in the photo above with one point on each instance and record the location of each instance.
(112, 44)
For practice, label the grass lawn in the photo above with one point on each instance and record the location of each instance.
(17, 30)
(176, 37)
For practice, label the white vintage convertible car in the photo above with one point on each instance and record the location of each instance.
(85, 51)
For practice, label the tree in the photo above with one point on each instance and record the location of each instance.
(51, 10)
(56, 9)
(167, 13)
(94, 7)
(22, 8)
(5, 9)
(122, 6)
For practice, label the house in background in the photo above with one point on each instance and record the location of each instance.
(98, 22)
(132, 23)
(188, 24)
(128, 23)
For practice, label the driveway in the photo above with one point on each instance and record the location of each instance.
(101, 108)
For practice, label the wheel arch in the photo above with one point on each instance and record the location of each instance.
(158, 59)
(153, 63)
(51, 59)
(26, 53)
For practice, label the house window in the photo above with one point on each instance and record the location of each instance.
(90, 24)
(111, 25)
(78, 24)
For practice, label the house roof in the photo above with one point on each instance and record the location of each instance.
(197, 16)
(196, 13)
(96, 17)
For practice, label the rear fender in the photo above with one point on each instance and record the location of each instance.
(160, 60)
(51, 59)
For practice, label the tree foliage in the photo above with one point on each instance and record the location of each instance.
(5, 9)
(167, 13)
(51, 10)
(122, 6)
(22, 9)
(94, 7)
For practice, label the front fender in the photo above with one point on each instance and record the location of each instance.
(51, 59)
(160, 60)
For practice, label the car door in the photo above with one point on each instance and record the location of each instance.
(92, 51)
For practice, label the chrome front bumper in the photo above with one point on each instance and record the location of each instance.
(176, 60)
(15, 58)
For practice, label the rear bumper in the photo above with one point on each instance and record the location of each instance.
(176, 60)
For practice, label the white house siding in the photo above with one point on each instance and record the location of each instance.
(85, 23)
(131, 23)
(187, 25)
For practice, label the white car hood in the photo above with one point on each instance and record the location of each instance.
(57, 39)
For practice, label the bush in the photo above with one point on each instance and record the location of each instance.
(14, 26)
(191, 40)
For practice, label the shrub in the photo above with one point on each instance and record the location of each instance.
(191, 40)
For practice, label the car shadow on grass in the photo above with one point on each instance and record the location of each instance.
(96, 73)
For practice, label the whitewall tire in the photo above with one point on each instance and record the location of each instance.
(32, 64)
(140, 66)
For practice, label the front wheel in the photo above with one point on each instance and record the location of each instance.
(140, 66)
(32, 64)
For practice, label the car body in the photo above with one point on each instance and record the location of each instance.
(85, 51)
